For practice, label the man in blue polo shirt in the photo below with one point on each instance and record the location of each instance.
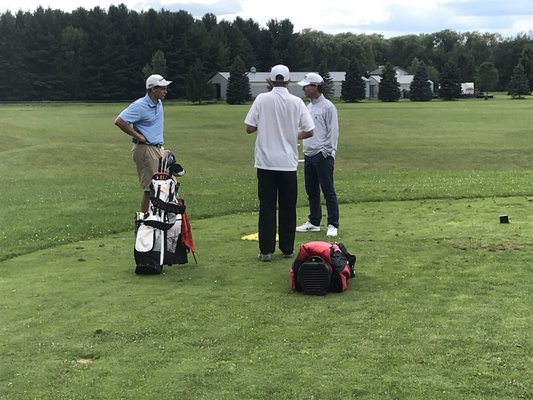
(143, 120)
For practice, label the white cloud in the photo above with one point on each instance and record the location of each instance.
(388, 17)
(523, 25)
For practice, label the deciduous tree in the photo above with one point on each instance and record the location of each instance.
(196, 85)
(487, 77)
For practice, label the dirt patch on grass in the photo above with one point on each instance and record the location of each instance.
(501, 246)
(84, 360)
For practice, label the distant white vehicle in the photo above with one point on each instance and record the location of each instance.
(467, 88)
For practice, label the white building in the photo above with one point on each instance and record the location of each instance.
(402, 76)
(258, 83)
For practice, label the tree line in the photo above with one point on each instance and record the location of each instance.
(100, 54)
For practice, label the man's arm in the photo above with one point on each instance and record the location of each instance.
(305, 134)
(126, 128)
(250, 128)
(333, 130)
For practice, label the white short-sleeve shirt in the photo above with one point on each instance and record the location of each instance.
(278, 116)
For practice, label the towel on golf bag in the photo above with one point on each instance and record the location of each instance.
(186, 239)
(322, 267)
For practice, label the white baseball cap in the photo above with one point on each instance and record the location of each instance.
(279, 73)
(156, 80)
(311, 79)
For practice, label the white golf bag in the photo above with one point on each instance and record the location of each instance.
(157, 233)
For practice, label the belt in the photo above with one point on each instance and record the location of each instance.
(136, 141)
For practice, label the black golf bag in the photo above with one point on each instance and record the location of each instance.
(159, 232)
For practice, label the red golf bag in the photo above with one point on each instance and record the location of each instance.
(322, 267)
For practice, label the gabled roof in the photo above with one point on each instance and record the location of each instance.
(379, 70)
(401, 79)
(405, 79)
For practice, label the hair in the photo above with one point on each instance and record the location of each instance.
(279, 83)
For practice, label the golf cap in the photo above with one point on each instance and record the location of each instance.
(156, 80)
(279, 73)
(311, 79)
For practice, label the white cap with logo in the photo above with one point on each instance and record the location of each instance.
(311, 79)
(279, 73)
(156, 80)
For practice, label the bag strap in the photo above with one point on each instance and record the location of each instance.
(352, 259)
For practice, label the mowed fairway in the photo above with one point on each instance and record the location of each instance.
(440, 307)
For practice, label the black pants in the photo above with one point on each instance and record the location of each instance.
(319, 175)
(277, 189)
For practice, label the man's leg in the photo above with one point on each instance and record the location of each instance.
(325, 170)
(145, 202)
(146, 160)
(288, 194)
(312, 189)
(267, 194)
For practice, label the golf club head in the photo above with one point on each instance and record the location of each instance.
(171, 164)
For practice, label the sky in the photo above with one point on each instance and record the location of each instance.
(389, 18)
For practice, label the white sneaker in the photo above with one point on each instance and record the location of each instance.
(308, 227)
(332, 231)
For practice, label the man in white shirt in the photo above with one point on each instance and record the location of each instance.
(319, 157)
(280, 119)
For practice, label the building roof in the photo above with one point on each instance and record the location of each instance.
(379, 70)
(261, 77)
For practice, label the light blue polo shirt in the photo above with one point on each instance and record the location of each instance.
(147, 118)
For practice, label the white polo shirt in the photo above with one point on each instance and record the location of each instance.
(278, 116)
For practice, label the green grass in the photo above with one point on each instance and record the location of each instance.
(439, 308)
(65, 163)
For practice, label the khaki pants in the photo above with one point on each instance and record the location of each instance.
(146, 159)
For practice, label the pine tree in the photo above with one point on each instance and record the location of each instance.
(519, 84)
(389, 88)
(414, 66)
(450, 82)
(353, 87)
(420, 88)
(238, 91)
(327, 87)
(158, 65)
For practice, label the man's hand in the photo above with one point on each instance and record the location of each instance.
(126, 128)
